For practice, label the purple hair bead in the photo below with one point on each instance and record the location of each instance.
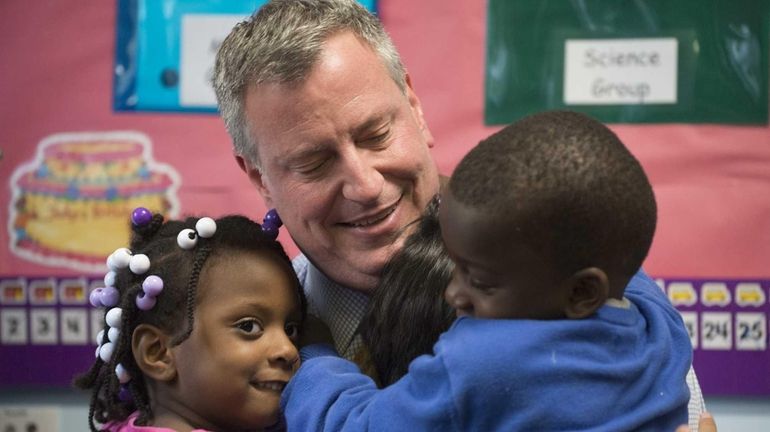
(145, 302)
(272, 218)
(152, 285)
(141, 216)
(271, 232)
(96, 297)
(124, 394)
(271, 223)
(109, 296)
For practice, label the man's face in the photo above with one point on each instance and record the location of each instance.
(345, 160)
(496, 275)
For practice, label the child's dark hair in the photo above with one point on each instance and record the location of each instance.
(407, 311)
(574, 190)
(174, 311)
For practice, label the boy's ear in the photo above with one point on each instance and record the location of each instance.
(152, 352)
(589, 289)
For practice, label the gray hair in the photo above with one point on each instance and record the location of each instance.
(279, 44)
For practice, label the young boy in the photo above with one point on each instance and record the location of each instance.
(547, 222)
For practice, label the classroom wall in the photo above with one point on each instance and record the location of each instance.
(56, 60)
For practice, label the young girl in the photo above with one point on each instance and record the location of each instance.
(201, 326)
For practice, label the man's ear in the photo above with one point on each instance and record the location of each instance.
(414, 102)
(589, 289)
(255, 176)
(152, 352)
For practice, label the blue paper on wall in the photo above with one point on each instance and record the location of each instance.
(165, 51)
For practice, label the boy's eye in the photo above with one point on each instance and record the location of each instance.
(251, 326)
(292, 331)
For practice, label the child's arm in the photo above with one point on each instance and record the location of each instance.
(329, 393)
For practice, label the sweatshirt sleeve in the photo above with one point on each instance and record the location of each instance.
(329, 393)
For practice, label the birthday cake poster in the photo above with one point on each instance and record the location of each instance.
(69, 206)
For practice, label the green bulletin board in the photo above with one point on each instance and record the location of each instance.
(645, 61)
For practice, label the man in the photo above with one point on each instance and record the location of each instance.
(327, 127)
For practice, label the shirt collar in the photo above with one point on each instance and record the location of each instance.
(341, 308)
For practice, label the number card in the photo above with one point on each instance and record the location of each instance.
(716, 331)
(750, 331)
(13, 326)
(43, 326)
(74, 330)
(691, 324)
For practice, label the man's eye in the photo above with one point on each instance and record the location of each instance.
(250, 326)
(376, 140)
(310, 168)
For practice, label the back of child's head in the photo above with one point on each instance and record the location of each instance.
(577, 193)
(407, 311)
(177, 252)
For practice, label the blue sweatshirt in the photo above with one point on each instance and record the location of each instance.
(620, 369)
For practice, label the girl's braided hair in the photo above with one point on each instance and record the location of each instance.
(174, 311)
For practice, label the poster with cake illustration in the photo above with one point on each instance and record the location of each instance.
(70, 205)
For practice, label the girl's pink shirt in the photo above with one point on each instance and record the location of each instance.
(128, 425)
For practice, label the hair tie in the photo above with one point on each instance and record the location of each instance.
(271, 223)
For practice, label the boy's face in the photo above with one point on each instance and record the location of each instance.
(496, 274)
(242, 352)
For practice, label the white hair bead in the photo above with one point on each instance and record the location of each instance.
(187, 238)
(120, 258)
(105, 352)
(122, 373)
(113, 317)
(113, 334)
(139, 264)
(109, 279)
(206, 227)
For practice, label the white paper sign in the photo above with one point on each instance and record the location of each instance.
(620, 71)
(43, 326)
(690, 320)
(716, 331)
(750, 331)
(73, 326)
(200, 39)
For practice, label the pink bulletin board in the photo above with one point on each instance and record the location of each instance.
(712, 181)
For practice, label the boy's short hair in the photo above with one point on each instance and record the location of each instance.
(574, 189)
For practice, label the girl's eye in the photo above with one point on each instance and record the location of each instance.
(292, 331)
(250, 326)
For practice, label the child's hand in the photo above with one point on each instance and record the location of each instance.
(315, 331)
(705, 424)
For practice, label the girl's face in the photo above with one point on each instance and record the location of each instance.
(242, 351)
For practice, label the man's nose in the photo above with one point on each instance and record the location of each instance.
(362, 182)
